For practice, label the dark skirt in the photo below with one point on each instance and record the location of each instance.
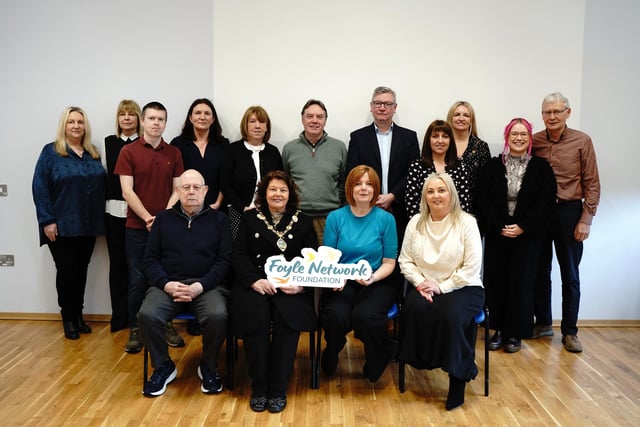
(510, 267)
(441, 334)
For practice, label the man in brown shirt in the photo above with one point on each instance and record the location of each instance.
(573, 159)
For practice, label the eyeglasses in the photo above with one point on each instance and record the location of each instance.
(196, 187)
(522, 135)
(548, 113)
(380, 104)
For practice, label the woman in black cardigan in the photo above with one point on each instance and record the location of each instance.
(245, 162)
(270, 319)
(514, 194)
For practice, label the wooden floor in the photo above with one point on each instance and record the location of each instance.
(47, 380)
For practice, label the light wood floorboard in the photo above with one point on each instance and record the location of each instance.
(46, 380)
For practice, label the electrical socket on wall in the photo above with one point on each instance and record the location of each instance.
(3, 190)
(6, 261)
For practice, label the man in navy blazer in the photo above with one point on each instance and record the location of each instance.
(389, 149)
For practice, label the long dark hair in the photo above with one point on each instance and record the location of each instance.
(451, 156)
(215, 130)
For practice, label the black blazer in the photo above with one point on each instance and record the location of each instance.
(534, 202)
(253, 245)
(238, 175)
(363, 150)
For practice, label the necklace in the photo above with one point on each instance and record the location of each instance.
(79, 152)
(280, 243)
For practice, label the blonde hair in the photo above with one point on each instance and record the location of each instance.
(473, 128)
(130, 106)
(261, 115)
(455, 211)
(60, 144)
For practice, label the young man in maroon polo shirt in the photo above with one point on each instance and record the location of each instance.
(149, 169)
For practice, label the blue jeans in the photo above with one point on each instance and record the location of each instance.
(563, 222)
(135, 243)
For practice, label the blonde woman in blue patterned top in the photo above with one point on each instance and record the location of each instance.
(68, 191)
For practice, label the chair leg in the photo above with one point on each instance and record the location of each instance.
(394, 340)
(145, 367)
(314, 360)
(318, 337)
(230, 347)
(486, 353)
(401, 376)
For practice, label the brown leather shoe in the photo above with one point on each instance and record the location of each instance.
(571, 343)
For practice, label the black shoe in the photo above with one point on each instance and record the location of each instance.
(162, 375)
(83, 328)
(115, 327)
(371, 374)
(70, 330)
(513, 345)
(258, 404)
(211, 381)
(193, 327)
(277, 404)
(496, 342)
(329, 362)
(455, 397)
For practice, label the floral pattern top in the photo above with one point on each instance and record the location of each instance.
(416, 176)
(476, 155)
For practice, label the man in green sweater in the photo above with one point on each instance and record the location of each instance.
(317, 163)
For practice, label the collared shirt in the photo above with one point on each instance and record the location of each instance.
(573, 160)
(153, 171)
(384, 144)
(255, 156)
(115, 205)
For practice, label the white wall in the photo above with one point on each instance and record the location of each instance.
(503, 57)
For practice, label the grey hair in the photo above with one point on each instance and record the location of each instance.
(555, 97)
(383, 89)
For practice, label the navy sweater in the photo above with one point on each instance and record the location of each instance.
(182, 247)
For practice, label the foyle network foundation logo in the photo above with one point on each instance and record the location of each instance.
(321, 268)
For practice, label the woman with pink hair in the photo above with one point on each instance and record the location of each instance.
(513, 196)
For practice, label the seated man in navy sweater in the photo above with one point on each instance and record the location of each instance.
(186, 261)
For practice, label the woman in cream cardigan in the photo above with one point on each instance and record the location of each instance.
(441, 257)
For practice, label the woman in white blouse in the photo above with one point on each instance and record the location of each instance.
(441, 257)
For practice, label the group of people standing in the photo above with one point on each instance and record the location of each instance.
(190, 225)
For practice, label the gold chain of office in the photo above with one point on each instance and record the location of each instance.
(281, 243)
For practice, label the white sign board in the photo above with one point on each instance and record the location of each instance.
(321, 269)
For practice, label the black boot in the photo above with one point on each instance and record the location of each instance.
(70, 330)
(456, 392)
(83, 328)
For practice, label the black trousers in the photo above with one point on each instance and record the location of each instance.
(271, 352)
(71, 256)
(363, 309)
(118, 271)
